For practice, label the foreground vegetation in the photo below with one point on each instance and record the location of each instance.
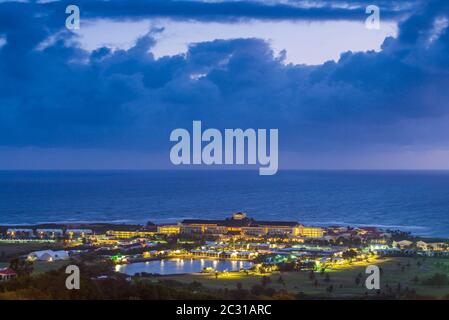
(98, 281)
(402, 278)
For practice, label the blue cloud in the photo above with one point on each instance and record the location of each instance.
(63, 96)
(232, 10)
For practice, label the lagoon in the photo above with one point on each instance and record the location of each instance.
(180, 266)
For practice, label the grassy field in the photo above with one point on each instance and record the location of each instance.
(43, 266)
(40, 267)
(395, 270)
(9, 251)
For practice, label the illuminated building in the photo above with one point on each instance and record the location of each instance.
(132, 231)
(19, 233)
(78, 233)
(225, 254)
(312, 232)
(126, 234)
(49, 233)
(48, 255)
(100, 240)
(436, 246)
(240, 224)
(168, 229)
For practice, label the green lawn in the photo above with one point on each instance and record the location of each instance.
(343, 280)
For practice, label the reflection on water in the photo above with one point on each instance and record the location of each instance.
(178, 266)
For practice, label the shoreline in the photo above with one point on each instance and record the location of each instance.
(104, 226)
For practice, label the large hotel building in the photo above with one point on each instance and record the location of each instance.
(239, 224)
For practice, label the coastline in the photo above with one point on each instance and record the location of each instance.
(409, 201)
(104, 226)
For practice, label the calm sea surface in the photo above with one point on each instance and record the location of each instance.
(416, 201)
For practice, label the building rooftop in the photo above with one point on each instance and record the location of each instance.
(278, 223)
(239, 220)
(7, 271)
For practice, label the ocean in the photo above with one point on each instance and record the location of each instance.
(415, 201)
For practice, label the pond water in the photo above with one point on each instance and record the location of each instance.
(179, 266)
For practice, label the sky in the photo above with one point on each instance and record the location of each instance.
(108, 95)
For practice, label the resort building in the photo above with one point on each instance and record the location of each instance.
(311, 232)
(168, 229)
(127, 234)
(7, 274)
(124, 231)
(78, 233)
(230, 255)
(402, 244)
(49, 233)
(48, 255)
(240, 224)
(101, 240)
(19, 233)
(435, 246)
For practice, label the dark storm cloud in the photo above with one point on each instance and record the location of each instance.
(229, 10)
(63, 96)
